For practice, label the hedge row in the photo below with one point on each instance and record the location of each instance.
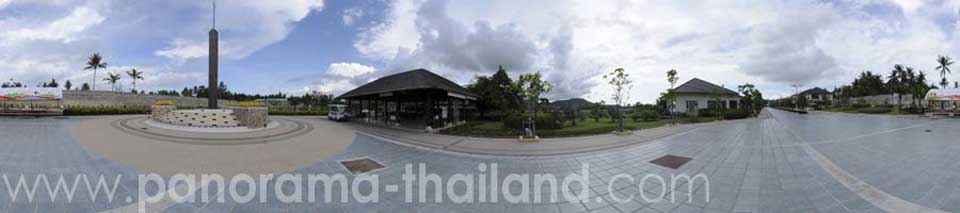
(543, 121)
(105, 110)
(297, 112)
(875, 110)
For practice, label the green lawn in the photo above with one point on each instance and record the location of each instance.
(586, 127)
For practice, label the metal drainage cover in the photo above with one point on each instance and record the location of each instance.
(671, 161)
(362, 165)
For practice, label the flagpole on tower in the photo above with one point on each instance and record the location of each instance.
(214, 26)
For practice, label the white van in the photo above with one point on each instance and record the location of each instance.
(338, 112)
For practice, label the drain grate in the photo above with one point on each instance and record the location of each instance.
(362, 165)
(671, 161)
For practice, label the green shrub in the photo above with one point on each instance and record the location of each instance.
(542, 121)
(273, 111)
(875, 110)
(636, 117)
(859, 105)
(648, 115)
(736, 114)
(105, 110)
(706, 113)
(911, 110)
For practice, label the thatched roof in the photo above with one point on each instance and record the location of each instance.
(409, 80)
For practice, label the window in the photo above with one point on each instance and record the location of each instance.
(713, 105)
(692, 106)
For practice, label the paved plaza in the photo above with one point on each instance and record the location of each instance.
(778, 162)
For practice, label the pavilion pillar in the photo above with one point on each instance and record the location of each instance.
(386, 111)
(448, 115)
(397, 108)
(428, 107)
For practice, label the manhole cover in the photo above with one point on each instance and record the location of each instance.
(360, 166)
(671, 161)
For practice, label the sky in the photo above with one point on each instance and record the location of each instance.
(332, 46)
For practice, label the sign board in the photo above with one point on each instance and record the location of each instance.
(943, 95)
(30, 94)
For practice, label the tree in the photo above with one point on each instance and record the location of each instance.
(85, 87)
(531, 87)
(113, 79)
(68, 85)
(598, 111)
(52, 84)
(621, 89)
(669, 98)
(715, 93)
(95, 62)
(135, 75)
(944, 63)
(867, 84)
(11, 83)
(497, 92)
(752, 98)
(186, 92)
(919, 88)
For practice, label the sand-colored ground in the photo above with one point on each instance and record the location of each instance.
(167, 158)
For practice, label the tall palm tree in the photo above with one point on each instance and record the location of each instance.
(135, 75)
(95, 62)
(944, 67)
(112, 78)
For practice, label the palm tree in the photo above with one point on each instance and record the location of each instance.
(134, 74)
(112, 78)
(944, 68)
(95, 62)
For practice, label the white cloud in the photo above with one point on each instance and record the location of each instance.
(349, 70)
(64, 29)
(333, 87)
(351, 15)
(771, 44)
(51, 39)
(183, 49)
(245, 27)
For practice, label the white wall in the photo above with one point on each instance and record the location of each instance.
(681, 101)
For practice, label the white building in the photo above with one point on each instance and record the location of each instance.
(697, 94)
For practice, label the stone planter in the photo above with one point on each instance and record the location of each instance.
(158, 111)
(251, 117)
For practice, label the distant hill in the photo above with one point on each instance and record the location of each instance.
(573, 102)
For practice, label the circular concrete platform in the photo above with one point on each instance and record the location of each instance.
(297, 141)
(278, 130)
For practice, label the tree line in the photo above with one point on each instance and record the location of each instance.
(901, 79)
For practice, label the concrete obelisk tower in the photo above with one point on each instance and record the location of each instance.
(212, 75)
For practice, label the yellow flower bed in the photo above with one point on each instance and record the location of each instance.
(245, 104)
(163, 103)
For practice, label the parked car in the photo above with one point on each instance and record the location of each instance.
(338, 112)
